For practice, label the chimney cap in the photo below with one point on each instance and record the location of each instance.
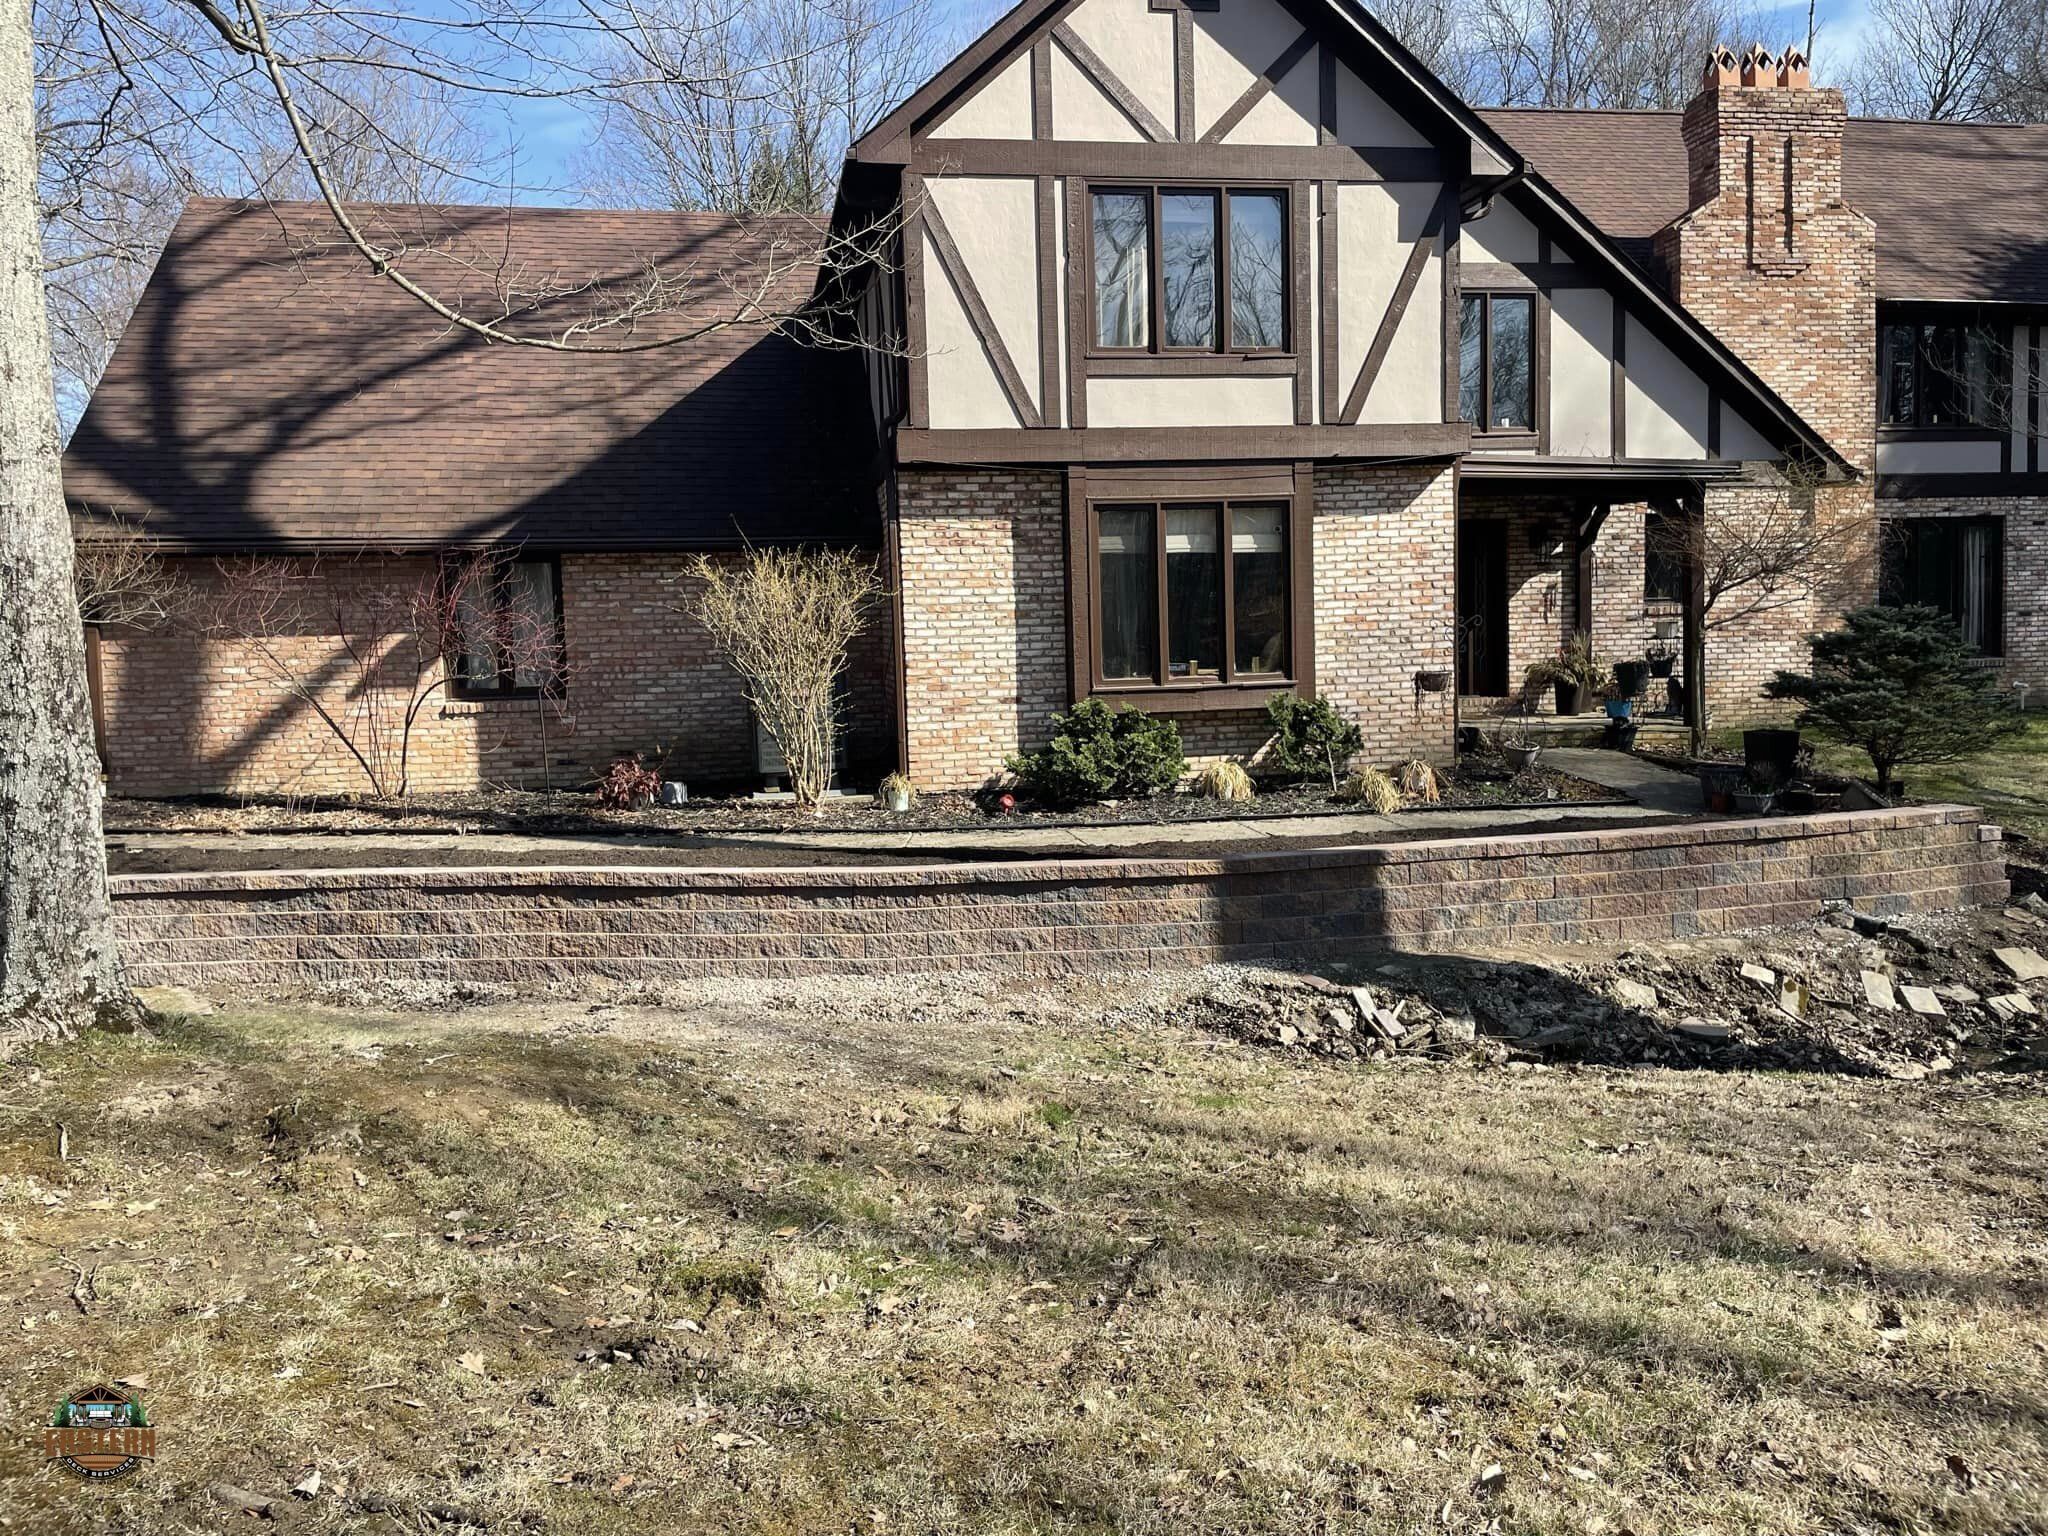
(1759, 66)
(1721, 72)
(1794, 72)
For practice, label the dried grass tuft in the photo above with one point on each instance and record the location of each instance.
(1373, 789)
(1224, 781)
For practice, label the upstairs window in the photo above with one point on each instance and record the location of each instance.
(1190, 269)
(1943, 373)
(1497, 361)
(1664, 554)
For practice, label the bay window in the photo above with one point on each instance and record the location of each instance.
(1180, 269)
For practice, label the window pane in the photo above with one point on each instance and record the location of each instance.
(1194, 591)
(1130, 622)
(1977, 578)
(475, 620)
(1942, 394)
(1188, 268)
(1123, 298)
(1258, 270)
(1663, 557)
(1471, 316)
(1258, 577)
(528, 624)
(1900, 403)
(1987, 372)
(1513, 332)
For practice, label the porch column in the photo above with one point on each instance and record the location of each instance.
(1586, 532)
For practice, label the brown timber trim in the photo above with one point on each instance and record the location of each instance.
(984, 323)
(1168, 161)
(1617, 380)
(1242, 482)
(1453, 286)
(1110, 445)
(96, 694)
(1041, 90)
(1959, 485)
(1326, 283)
(1184, 75)
(917, 409)
(1326, 96)
(1301, 587)
(1539, 386)
(1106, 80)
(1080, 283)
(1080, 588)
(1048, 304)
(1300, 276)
(1260, 88)
(2033, 399)
(1397, 307)
(1528, 274)
(1713, 423)
(1183, 5)
(1191, 365)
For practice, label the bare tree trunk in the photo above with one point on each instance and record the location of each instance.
(59, 969)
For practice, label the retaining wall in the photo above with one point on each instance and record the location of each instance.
(311, 929)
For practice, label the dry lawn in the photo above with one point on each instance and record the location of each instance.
(999, 1260)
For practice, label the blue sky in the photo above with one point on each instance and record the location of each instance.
(548, 135)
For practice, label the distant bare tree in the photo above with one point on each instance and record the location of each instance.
(1578, 53)
(1943, 60)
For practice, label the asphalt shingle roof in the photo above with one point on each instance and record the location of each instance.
(1961, 208)
(271, 390)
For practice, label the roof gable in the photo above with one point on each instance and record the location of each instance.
(270, 390)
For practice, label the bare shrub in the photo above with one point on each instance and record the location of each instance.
(786, 619)
(122, 582)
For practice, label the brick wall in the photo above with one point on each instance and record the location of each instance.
(304, 932)
(189, 712)
(984, 596)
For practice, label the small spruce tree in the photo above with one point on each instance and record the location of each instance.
(1311, 736)
(1903, 685)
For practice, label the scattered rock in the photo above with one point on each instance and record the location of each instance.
(1923, 1002)
(1705, 1029)
(1762, 975)
(1635, 994)
(2012, 1005)
(1955, 992)
(1877, 991)
(242, 1499)
(2023, 964)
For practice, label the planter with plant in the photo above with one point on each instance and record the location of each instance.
(1631, 678)
(1432, 680)
(1757, 791)
(1311, 736)
(896, 794)
(1511, 741)
(1098, 753)
(1661, 661)
(1575, 674)
(1718, 783)
(1620, 709)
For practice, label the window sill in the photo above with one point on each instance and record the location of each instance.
(1502, 437)
(1194, 698)
(1189, 365)
(456, 707)
(1941, 434)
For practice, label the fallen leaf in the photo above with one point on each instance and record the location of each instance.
(472, 1363)
(139, 1207)
(309, 1485)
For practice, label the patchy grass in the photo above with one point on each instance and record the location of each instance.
(2009, 779)
(1003, 1260)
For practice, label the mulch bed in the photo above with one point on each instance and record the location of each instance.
(1477, 783)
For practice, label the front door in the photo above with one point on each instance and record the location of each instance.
(1483, 607)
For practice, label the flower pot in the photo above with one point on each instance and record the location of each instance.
(1432, 680)
(1797, 799)
(1754, 802)
(1661, 666)
(896, 801)
(1718, 783)
(1631, 678)
(1521, 759)
(1776, 751)
(1620, 709)
(1571, 698)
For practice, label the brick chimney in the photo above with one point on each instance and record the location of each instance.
(1769, 256)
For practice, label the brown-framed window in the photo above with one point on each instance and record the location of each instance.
(509, 639)
(1955, 564)
(1189, 269)
(1497, 361)
(1192, 592)
(1664, 546)
(1942, 371)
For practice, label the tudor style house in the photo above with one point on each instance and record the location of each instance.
(1201, 350)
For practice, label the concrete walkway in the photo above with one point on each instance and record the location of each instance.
(1650, 786)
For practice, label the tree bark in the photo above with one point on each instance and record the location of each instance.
(59, 969)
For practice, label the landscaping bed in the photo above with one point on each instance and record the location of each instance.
(1476, 783)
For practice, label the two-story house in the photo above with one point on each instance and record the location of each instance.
(1212, 348)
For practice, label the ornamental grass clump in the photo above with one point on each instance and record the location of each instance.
(1418, 781)
(1374, 789)
(1224, 780)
